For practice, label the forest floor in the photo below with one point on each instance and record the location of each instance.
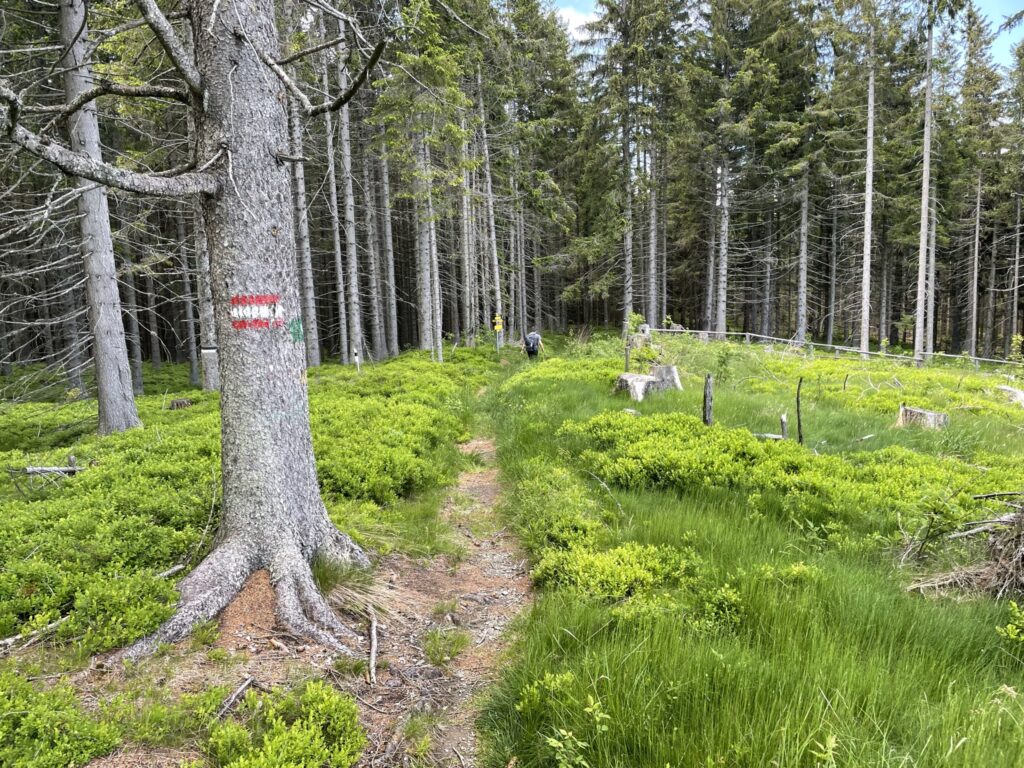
(441, 632)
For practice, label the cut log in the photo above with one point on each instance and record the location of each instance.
(667, 376)
(637, 384)
(1016, 395)
(922, 418)
(177, 405)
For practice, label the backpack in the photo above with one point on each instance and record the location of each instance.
(532, 341)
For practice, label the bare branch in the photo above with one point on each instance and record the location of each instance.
(169, 40)
(105, 87)
(283, 76)
(357, 83)
(307, 51)
(83, 166)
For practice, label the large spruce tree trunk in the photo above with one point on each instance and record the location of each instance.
(272, 515)
(117, 411)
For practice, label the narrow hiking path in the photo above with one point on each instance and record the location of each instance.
(421, 712)
(422, 708)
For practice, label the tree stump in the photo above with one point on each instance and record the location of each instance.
(667, 377)
(1016, 395)
(638, 385)
(922, 418)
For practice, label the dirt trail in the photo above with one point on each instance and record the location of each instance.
(479, 595)
(417, 713)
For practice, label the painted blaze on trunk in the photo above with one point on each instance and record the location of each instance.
(272, 514)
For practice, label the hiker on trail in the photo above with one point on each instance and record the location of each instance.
(532, 344)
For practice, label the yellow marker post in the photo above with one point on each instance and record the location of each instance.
(499, 326)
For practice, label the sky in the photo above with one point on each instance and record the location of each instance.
(577, 12)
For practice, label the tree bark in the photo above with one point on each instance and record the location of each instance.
(1015, 289)
(926, 186)
(930, 319)
(652, 252)
(390, 288)
(723, 256)
(272, 515)
(972, 325)
(465, 244)
(990, 303)
(117, 411)
(869, 207)
(627, 212)
(355, 320)
(207, 324)
(492, 235)
(302, 249)
(833, 263)
(372, 260)
(801, 290)
(133, 337)
(709, 284)
(187, 301)
(336, 236)
(153, 321)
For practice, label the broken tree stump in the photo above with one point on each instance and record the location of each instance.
(921, 418)
(638, 385)
(667, 377)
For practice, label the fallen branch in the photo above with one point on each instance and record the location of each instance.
(31, 637)
(373, 646)
(234, 697)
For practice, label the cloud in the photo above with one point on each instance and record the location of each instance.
(574, 21)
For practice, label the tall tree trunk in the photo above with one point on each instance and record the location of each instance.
(1015, 289)
(424, 284)
(302, 249)
(723, 257)
(117, 411)
(134, 339)
(355, 320)
(932, 322)
(972, 298)
(75, 359)
(492, 235)
(768, 294)
(153, 320)
(372, 260)
(709, 283)
(990, 304)
(336, 233)
(869, 207)
(627, 234)
(926, 186)
(652, 251)
(186, 297)
(272, 515)
(468, 269)
(390, 288)
(207, 323)
(833, 263)
(435, 305)
(801, 289)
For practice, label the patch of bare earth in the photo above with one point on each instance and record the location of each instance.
(478, 593)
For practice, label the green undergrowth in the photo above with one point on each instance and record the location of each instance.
(91, 547)
(708, 598)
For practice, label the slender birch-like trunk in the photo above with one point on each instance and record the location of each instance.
(468, 270)
(652, 251)
(709, 284)
(833, 263)
(1015, 289)
(435, 305)
(931, 321)
(990, 300)
(627, 234)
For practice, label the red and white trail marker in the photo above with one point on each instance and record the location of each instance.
(256, 311)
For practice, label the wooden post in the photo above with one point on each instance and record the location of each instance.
(799, 420)
(844, 381)
(708, 400)
(355, 357)
(784, 424)
(627, 353)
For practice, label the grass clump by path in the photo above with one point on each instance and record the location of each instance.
(709, 599)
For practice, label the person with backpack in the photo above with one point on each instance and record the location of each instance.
(532, 344)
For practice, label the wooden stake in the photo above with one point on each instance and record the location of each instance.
(708, 400)
(784, 424)
(799, 420)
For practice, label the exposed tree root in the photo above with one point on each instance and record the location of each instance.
(301, 607)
